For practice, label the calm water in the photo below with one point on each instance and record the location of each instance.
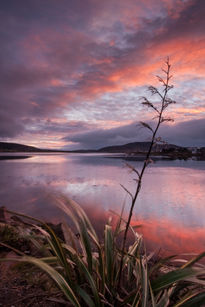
(170, 209)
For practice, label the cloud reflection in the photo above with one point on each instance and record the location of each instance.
(170, 207)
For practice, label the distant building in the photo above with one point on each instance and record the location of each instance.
(193, 150)
(201, 151)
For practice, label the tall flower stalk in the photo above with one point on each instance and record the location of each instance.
(165, 101)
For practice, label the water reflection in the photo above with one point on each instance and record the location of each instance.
(45, 158)
(170, 207)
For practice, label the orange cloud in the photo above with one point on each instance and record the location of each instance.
(184, 63)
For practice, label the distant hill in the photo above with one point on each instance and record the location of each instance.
(130, 147)
(135, 147)
(14, 147)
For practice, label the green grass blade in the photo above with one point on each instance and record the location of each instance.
(82, 224)
(164, 300)
(65, 202)
(195, 299)
(194, 260)
(69, 236)
(144, 283)
(59, 252)
(136, 300)
(18, 252)
(109, 254)
(49, 259)
(129, 298)
(86, 245)
(119, 222)
(91, 281)
(152, 295)
(171, 277)
(101, 266)
(160, 263)
(87, 299)
(131, 258)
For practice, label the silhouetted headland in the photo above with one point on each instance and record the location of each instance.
(131, 150)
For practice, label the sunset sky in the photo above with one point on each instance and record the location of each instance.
(72, 71)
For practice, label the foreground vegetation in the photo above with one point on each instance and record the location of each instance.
(87, 270)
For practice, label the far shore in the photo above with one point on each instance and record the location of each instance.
(140, 156)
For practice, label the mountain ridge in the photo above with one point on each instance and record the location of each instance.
(125, 148)
(16, 147)
(136, 147)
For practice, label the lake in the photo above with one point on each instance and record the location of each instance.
(170, 209)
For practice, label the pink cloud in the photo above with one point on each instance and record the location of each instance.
(54, 61)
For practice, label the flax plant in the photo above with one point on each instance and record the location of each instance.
(165, 101)
(86, 270)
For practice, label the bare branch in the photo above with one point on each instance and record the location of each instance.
(167, 62)
(127, 191)
(160, 79)
(159, 140)
(148, 161)
(145, 125)
(165, 71)
(167, 102)
(155, 117)
(147, 103)
(169, 87)
(166, 119)
(133, 169)
(154, 91)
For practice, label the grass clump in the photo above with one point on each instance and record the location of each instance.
(86, 270)
(8, 234)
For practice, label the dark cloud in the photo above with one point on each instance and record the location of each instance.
(9, 128)
(188, 133)
(189, 22)
(106, 137)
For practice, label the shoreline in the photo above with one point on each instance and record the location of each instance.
(113, 155)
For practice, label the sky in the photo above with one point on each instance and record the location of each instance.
(72, 71)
